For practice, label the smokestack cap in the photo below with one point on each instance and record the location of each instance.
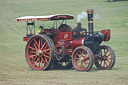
(90, 11)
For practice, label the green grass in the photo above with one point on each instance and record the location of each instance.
(13, 67)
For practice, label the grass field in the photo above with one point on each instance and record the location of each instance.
(13, 67)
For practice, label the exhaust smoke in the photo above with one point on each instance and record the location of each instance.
(84, 15)
(81, 16)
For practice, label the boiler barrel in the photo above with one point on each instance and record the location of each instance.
(78, 42)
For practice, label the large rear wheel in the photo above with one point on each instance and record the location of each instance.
(82, 58)
(39, 52)
(106, 58)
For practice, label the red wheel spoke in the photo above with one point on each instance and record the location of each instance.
(46, 60)
(78, 55)
(39, 44)
(78, 61)
(35, 45)
(107, 58)
(32, 52)
(82, 53)
(86, 58)
(34, 63)
(82, 65)
(43, 60)
(46, 50)
(106, 64)
(109, 62)
(47, 53)
(32, 48)
(77, 58)
(36, 42)
(108, 55)
(32, 56)
(45, 56)
(86, 62)
(41, 63)
(46, 46)
(105, 52)
(35, 58)
(85, 54)
(43, 45)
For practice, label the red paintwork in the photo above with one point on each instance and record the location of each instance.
(66, 35)
(57, 34)
(107, 33)
(77, 42)
(25, 38)
(68, 49)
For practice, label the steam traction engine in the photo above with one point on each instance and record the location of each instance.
(64, 47)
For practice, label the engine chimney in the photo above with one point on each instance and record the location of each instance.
(90, 21)
(79, 26)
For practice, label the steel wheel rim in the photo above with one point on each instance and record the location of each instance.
(81, 59)
(38, 53)
(105, 61)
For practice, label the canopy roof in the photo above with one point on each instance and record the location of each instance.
(45, 18)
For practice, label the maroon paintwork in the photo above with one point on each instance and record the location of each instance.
(107, 33)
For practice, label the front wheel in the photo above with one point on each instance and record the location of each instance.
(82, 58)
(106, 58)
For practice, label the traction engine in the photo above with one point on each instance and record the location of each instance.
(63, 47)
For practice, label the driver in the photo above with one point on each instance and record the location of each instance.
(41, 27)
